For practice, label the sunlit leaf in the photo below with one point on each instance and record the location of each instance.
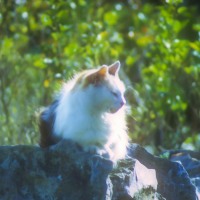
(46, 83)
(130, 60)
(111, 18)
(39, 62)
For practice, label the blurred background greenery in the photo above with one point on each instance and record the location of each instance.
(43, 42)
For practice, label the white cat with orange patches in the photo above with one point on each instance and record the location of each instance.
(90, 111)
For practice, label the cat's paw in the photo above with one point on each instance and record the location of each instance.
(97, 150)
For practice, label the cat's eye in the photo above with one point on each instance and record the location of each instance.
(114, 94)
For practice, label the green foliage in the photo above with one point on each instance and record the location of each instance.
(169, 77)
(44, 42)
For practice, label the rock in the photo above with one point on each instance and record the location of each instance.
(191, 162)
(173, 180)
(66, 172)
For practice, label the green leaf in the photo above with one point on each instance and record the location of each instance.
(111, 18)
(45, 19)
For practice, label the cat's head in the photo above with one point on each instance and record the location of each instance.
(103, 88)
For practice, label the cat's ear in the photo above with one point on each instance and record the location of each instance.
(114, 68)
(97, 77)
(103, 71)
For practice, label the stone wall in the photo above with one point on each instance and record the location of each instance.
(66, 172)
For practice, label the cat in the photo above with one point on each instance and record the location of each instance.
(90, 110)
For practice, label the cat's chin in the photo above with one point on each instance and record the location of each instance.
(112, 110)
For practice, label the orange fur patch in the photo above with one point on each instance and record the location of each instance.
(91, 77)
(97, 77)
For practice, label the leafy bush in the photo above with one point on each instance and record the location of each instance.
(44, 42)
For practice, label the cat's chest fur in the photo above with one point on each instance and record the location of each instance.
(79, 120)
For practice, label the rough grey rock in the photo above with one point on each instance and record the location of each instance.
(66, 172)
(191, 162)
(174, 182)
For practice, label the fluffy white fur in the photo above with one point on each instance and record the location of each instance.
(94, 116)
